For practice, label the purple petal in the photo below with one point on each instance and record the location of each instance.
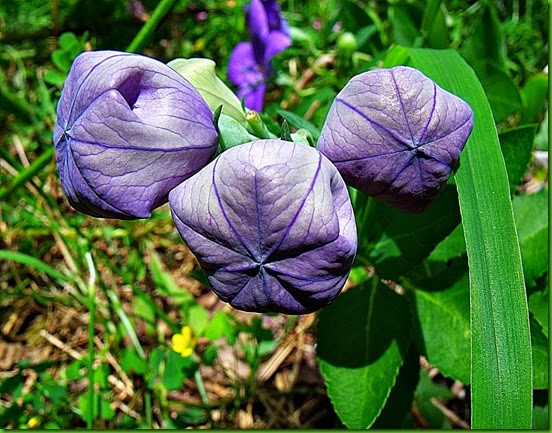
(275, 43)
(272, 226)
(129, 129)
(275, 20)
(244, 72)
(396, 135)
(257, 23)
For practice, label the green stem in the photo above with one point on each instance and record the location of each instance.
(145, 33)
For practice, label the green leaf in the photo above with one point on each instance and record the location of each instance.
(486, 41)
(399, 402)
(434, 26)
(173, 376)
(219, 326)
(541, 421)
(397, 241)
(68, 41)
(531, 215)
(453, 246)
(406, 21)
(501, 372)
(517, 148)
(361, 348)
(442, 322)
(426, 391)
(538, 305)
(541, 139)
(299, 123)
(540, 356)
(130, 361)
(502, 92)
(197, 318)
(534, 96)
(165, 283)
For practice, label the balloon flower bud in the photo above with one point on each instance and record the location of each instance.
(129, 129)
(396, 135)
(272, 226)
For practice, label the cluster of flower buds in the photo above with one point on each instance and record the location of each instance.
(270, 221)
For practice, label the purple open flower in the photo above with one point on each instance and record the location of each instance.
(396, 135)
(249, 64)
(272, 226)
(129, 129)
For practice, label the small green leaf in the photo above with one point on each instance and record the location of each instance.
(197, 318)
(219, 326)
(176, 370)
(68, 41)
(361, 348)
(299, 123)
(531, 214)
(426, 391)
(517, 148)
(130, 361)
(540, 356)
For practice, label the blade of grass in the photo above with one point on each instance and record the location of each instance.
(91, 352)
(501, 370)
(33, 262)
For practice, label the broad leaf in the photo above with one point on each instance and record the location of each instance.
(361, 347)
(397, 241)
(399, 402)
(443, 327)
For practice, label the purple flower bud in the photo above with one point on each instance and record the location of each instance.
(129, 129)
(272, 226)
(396, 135)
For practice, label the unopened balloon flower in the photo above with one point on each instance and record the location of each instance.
(249, 64)
(396, 135)
(129, 129)
(272, 226)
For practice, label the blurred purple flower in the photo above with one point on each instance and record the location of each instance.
(249, 64)
(272, 226)
(396, 135)
(129, 129)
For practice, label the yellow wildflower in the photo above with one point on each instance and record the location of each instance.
(184, 342)
(33, 422)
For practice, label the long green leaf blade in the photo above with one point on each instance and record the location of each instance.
(501, 372)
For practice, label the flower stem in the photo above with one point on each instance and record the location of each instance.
(145, 33)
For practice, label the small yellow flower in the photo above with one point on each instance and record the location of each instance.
(33, 422)
(184, 342)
